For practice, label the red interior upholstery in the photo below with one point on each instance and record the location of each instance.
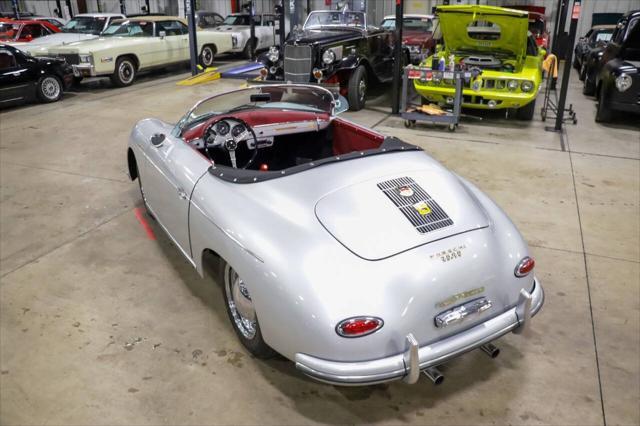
(348, 137)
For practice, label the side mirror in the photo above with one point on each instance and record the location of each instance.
(162, 34)
(157, 139)
(28, 37)
(340, 105)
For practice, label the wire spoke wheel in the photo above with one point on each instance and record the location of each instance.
(50, 88)
(240, 304)
(126, 72)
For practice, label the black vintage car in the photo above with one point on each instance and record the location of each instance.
(336, 48)
(618, 82)
(595, 40)
(25, 78)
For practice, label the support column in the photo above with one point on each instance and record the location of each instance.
(397, 65)
(252, 29)
(566, 72)
(190, 12)
(16, 8)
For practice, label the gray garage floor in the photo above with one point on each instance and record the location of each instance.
(102, 325)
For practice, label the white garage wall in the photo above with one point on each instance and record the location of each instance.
(376, 9)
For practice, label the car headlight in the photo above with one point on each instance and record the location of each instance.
(623, 82)
(273, 55)
(526, 86)
(85, 59)
(328, 56)
(512, 84)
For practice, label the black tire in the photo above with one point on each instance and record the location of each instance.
(50, 88)
(527, 112)
(207, 55)
(604, 114)
(246, 52)
(583, 72)
(357, 89)
(254, 343)
(589, 85)
(125, 72)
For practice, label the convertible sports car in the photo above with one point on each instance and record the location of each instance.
(355, 255)
(496, 41)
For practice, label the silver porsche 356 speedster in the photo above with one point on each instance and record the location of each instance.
(355, 255)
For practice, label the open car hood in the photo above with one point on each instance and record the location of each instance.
(514, 26)
(380, 218)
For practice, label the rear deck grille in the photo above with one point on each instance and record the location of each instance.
(297, 63)
(424, 223)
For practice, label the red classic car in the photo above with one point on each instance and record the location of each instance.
(537, 24)
(13, 30)
(417, 34)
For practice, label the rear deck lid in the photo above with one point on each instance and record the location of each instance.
(380, 218)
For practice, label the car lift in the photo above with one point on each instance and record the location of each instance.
(550, 104)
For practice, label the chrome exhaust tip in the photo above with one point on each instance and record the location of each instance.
(434, 375)
(490, 349)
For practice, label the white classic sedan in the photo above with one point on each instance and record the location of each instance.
(129, 46)
(239, 26)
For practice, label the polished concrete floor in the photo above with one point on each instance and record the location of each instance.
(100, 324)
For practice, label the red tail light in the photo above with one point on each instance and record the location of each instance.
(359, 326)
(524, 267)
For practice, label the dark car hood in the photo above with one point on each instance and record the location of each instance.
(44, 60)
(630, 67)
(322, 36)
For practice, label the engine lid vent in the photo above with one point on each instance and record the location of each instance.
(424, 213)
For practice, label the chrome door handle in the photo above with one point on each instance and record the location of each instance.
(182, 194)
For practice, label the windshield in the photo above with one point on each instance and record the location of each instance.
(415, 24)
(604, 36)
(9, 31)
(130, 29)
(85, 25)
(280, 96)
(536, 26)
(236, 20)
(325, 18)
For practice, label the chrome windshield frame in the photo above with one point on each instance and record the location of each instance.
(177, 130)
(363, 28)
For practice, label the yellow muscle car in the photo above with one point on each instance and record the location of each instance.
(495, 40)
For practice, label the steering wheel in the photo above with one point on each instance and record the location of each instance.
(226, 133)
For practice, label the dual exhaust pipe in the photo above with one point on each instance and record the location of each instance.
(436, 375)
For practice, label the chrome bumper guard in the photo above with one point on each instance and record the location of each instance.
(83, 70)
(414, 359)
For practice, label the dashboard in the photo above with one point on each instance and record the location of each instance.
(232, 128)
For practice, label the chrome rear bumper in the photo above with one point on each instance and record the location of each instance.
(408, 365)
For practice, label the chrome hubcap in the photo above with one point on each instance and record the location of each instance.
(207, 56)
(240, 303)
(125, 71)
(362, 89)
(50, 88)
